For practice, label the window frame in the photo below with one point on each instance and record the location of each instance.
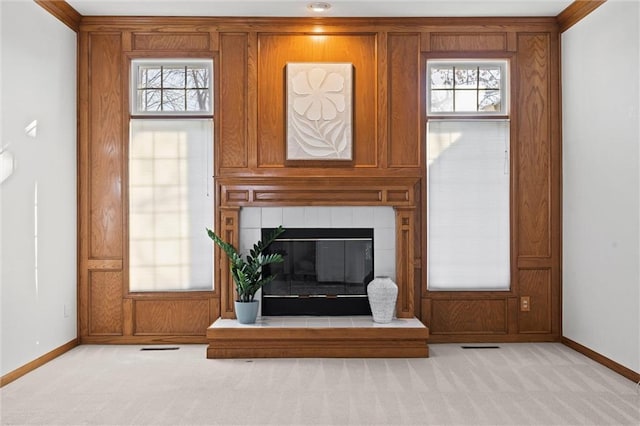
(506, 114)
(505, 73)
(134, 110)
(132, 114)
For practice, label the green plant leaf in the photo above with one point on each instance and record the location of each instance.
(247, 273)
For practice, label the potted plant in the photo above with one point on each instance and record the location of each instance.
(247, 272)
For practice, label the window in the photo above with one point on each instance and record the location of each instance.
(464, 87)
(468, 178)
(170, 176)
(171, 87)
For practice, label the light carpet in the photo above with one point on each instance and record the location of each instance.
(517, 384)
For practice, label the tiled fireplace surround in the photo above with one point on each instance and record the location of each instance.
(381, 219)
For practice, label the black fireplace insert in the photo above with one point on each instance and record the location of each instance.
(325, 272)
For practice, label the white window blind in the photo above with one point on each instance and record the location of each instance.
(170, 204)
(468, 205)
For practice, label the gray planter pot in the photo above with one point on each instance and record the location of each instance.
(246, 312)
(383, 293)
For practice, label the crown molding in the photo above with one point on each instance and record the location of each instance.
(63, 11)
(575, 12)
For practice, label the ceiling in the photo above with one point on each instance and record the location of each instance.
(340, 8)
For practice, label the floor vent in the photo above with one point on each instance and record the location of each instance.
(160, 348)
(481, 347)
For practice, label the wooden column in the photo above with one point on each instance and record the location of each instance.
(229, 232)
(404, 261)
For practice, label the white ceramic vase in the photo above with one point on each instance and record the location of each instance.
(383, 293)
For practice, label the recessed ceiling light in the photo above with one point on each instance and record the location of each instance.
(319, 7)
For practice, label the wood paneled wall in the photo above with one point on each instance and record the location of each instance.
(275, 50)
(388, 165)
(535, 202)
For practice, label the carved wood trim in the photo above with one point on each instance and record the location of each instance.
(317, 192)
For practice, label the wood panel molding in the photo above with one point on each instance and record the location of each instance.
(104, 264)
(534, 139)
(405, 147)
(575, 12)
(274, 52)
(171, 41)
(634, 376)
(470, 316)
(105, 303)
(229, 231)
(491, 338)
(232, 116)
(466, 42)
(328, 25)
(316, 192)
(106, 313)
(535, 284)
(38, 362)
(63, 11)
(388, 167)
(405, 222)
(534, 262)
(105, 146)
(143, 340)
(382, 127)
(167, 317)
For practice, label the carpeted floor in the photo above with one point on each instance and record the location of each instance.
(517, 384)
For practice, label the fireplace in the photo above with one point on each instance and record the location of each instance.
(387, 205)
(327, 203)
(325, 272)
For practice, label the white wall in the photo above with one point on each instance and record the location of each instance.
(38, 268)
(601, 96)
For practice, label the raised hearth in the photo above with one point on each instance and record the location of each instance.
(318, 337)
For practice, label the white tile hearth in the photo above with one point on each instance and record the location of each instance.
(358, 321)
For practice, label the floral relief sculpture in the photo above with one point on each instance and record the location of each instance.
(319, 111)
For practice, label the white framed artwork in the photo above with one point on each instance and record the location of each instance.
(319, 111)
